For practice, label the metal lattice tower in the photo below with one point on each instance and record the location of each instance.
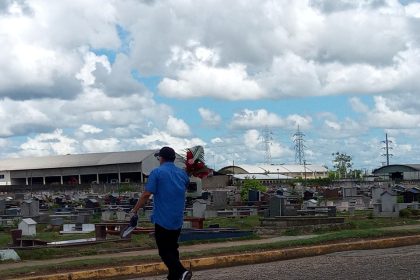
(387, 148)
(266, 139)
(298, 139)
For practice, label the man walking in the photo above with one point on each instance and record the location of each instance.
(168, 185)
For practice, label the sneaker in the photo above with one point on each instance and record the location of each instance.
(187, 275)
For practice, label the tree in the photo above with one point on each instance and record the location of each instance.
(342, 164)
(251, 184)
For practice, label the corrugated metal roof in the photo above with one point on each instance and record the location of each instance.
(293, 168)
(283, 169)
(78, 160)
(415, 166)
(261, 176)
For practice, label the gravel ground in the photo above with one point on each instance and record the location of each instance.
(395, 263)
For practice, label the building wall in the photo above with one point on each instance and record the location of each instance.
(414, 175)
(5, 178)
(20, 177)
(215, 182)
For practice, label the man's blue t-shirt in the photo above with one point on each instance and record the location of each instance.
(168, 185)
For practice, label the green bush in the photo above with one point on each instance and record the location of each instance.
(405, 213)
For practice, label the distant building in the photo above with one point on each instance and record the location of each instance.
(279, 172)
(114, 167)
(398, 172)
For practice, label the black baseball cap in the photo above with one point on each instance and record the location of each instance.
(166, 153)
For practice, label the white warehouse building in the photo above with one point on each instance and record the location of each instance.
(282, 171)
(113, 167)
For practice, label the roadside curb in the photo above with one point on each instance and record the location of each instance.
(233, 260)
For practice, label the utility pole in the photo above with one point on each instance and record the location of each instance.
(266, 139)
(298, 139)
(387, 148)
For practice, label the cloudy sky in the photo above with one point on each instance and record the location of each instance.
(82, 76)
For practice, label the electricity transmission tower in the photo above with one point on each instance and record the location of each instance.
(387, 148)
(266, 139)
(298, 139)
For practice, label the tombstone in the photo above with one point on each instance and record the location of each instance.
(277, 206)
(210, 214)
(82, 218)
(19, 196)
(106, 216)
(352, 210)
(388, 201)
(88, 227)
(187, 225)
(9, 255)
(376, 194)
(220, 199)
(57, 221)
(28, 227)
(92, 203)
(148, 214)
(377, 209)
(253, 196)
(199, 208)
(310, 203)
(2, 206)
(349, 192)
(12, 212)
(121, 215)
(30, 208)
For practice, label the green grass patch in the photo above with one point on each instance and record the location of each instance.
(245, 223)
(95, 263)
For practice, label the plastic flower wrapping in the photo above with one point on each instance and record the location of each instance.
(195, 164)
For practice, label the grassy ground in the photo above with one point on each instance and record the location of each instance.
(140, 242)
(245, 223)
(322, 239)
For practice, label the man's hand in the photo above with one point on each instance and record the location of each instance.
(141, 202)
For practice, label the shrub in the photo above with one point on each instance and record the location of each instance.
(405, 213)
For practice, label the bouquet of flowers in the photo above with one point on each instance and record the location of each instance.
(194, 162)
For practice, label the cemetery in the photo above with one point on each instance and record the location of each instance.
(52, 222)
(32, 221)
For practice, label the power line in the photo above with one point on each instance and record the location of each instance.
(387, 148)
(298, 139)
(266, 139)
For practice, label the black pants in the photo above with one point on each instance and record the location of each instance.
(167, 243)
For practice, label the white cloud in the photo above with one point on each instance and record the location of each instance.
(335, 128)
(210, 118)
(358, 106)
(86, 128)
(295, 120)
(102, 145)
(49, 143)
(41, 40)
(261, 118)
(216, 140)
(177, 127)
(156, 139)
(252, 140)
(392, 115)
(199, 75)
(256, 119)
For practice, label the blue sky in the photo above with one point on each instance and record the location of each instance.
(142, 74)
